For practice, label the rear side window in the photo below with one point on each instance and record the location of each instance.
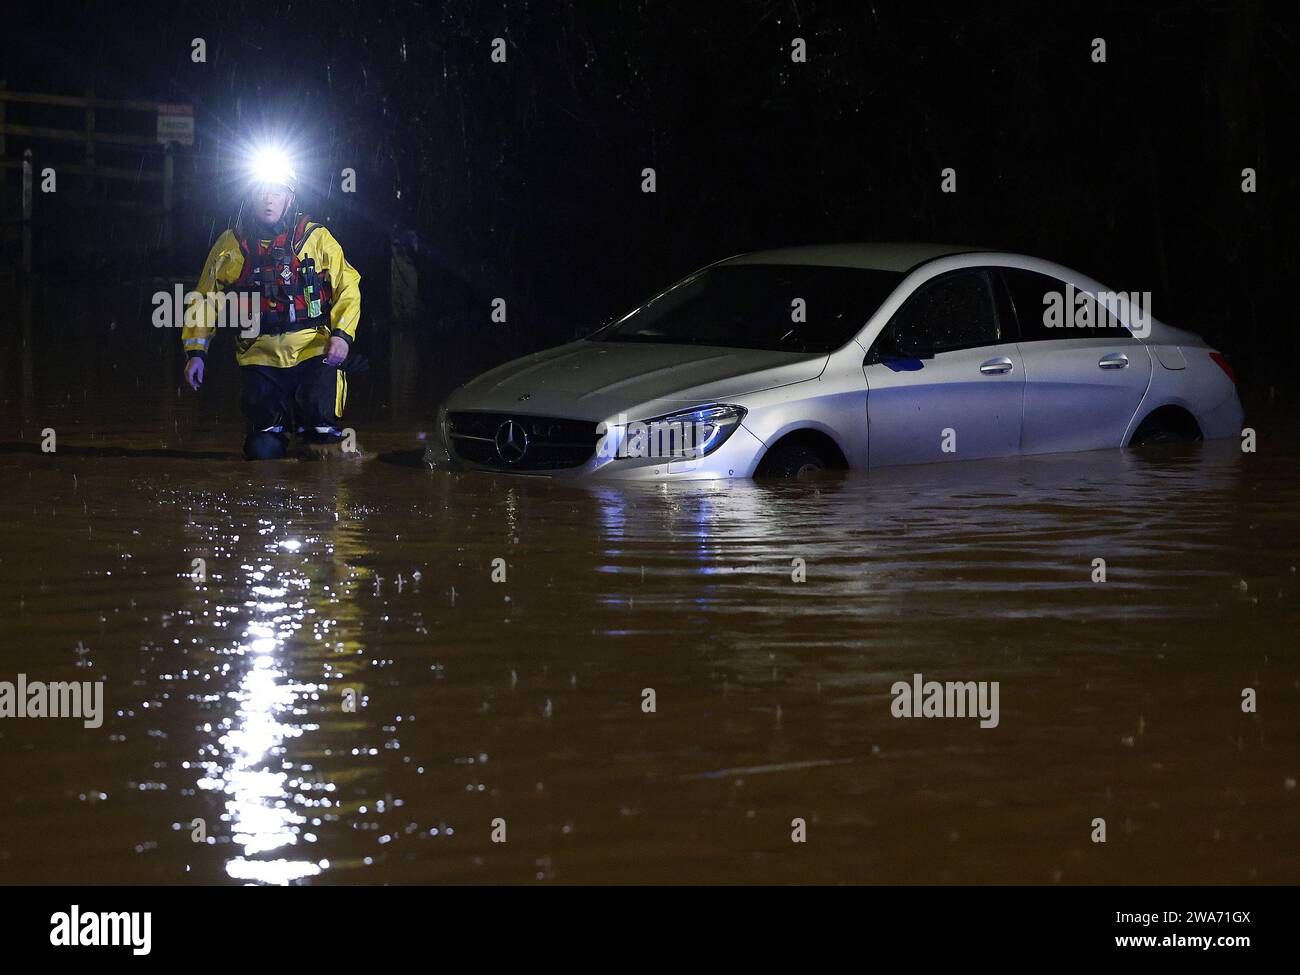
(954, 311)
(1047, 309)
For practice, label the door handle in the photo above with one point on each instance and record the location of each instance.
(1113, 360)
(996, 366)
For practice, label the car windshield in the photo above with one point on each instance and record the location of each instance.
(777, 307)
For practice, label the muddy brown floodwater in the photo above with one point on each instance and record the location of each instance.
(522, 699)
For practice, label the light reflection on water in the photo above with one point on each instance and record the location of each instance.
(262, 813)
(521, 699)
(273, 805)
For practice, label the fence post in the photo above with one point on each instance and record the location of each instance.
(4, 173)
(88, 187)
(27, 211)
(26, 286)
(90, 128)
(169, 168)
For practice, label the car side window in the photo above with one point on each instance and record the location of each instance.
(953, 311)
(1048, 309)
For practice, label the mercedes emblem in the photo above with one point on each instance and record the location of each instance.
(511, 441)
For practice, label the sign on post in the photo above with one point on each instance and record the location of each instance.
(176, 124)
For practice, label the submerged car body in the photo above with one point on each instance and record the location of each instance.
(861, 355)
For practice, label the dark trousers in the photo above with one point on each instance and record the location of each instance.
(306, 398)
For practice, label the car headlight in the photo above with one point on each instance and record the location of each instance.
(683, 435)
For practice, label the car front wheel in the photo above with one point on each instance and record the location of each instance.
(791, 460)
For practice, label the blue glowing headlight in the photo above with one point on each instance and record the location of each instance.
(690, 433)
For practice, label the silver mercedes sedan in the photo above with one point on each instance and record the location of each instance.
(788, 362)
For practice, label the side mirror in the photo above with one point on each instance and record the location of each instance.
(911, 346)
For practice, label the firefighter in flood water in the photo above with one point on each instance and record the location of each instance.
(309, 299)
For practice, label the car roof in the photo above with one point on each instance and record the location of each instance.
(878, 256)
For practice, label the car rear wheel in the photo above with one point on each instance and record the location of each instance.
(792, 460)
(1166, 425)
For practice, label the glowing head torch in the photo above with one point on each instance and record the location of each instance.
(271, 167)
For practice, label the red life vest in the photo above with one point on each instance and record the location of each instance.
(294, 294)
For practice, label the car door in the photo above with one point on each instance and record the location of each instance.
(944, 377)
(1083, 381)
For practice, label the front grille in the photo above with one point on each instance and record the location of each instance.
(547, 443)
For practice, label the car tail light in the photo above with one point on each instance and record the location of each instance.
(1222, 363)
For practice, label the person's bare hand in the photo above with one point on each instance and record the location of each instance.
(337, 351)
(194, 372)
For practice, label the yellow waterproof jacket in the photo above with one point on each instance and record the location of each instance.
(223, 267)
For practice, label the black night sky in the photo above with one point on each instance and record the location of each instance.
(523, 179)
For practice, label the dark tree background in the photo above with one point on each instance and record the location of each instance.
(522, 180)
